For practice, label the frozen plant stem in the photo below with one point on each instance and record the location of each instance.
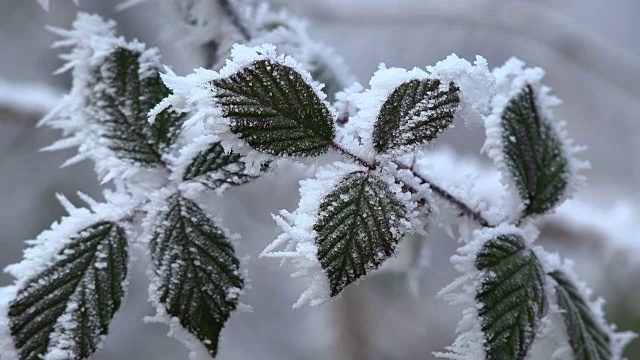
(234, 17)
(464, 208)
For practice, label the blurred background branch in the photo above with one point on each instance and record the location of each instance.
(589, 49)
(532, 21)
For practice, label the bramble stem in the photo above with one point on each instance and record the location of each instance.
(352, 156)
(234, 17)
(461, 205)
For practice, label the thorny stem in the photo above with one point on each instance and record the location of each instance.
(461, 205)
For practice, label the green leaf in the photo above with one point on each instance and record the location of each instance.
(68, 306)
(197, 270)
(359, 224)
(273, 109)
(512, 297)
(533, 153)
(124, 94)
(214, 168)
(587, 337)
(415, 113)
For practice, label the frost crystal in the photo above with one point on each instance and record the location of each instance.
(115, 84)
(503, 284)
(197, 276)
(347, 223)
(68, 287)
(535, 154)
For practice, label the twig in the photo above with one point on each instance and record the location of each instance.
(352, 156)
(464, 208)
(234, 17)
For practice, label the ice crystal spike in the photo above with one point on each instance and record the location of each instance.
(67, 307)
(588, 338)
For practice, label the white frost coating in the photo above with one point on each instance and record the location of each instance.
(290, 35)
(43, 251)
(465, 178)
(511, 79)
(476, 83)
(474, 80)
(469, 345)
(299, 237)
(197, 351)
(194, 94)
(382, 84)
(618, 339)
(92, 39)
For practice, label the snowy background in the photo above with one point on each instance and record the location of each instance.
(592, 56)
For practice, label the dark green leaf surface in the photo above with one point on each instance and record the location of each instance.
(197, 269)
(587, 338)
(214, 168)
(275, 111)
(124, 94)
(415, 113)
(83, 286)
(358, 228)
(534, 155)
(512, 297)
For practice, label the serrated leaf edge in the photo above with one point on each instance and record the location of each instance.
(49, 243)
(194, 93)
(511, 79)
(469, 344)
(196, 348)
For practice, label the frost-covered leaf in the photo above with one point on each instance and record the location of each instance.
(197, 271)
(273, 109)
(215, 168)
(511, 295)
(124, 94)
(534, 153)
(587, 337)
(415, 113)
(67, 308)
(358, 227)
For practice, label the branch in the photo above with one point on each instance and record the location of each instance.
(561, 34)
(464, 208)
(231, 12)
